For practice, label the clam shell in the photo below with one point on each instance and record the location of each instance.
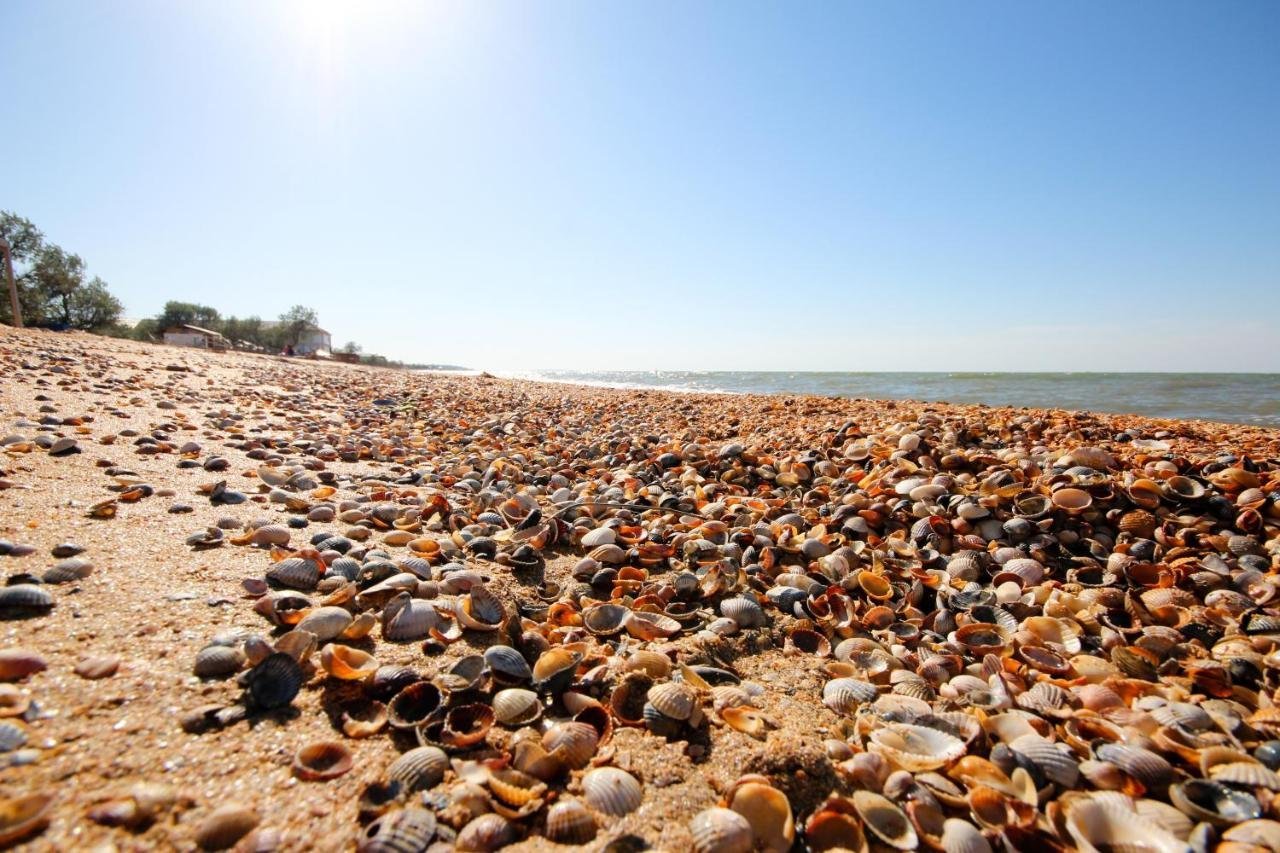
(327, 623)
(516, 706)
(398, 831)
(346, 663)
(1055, 762)
(768, 813)
(218, 661)
(298, 573)
(575, 742)
(746, 612)
(419, 769)
(612, 791)
(405, 618)
(570, 822)
(845, 695)
(275, 682)
(507, 664)
(23, 598)
(414, 705)
(720, 830)
(484, 833)
(1246, 774)
(605, 620)
(1142, 764)
(885, 820)
(915, 748)
(321, 761)
(960, 836)
(1205, 800)
(673, 699)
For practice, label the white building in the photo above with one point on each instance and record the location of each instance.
(313, 340)
(194, 336)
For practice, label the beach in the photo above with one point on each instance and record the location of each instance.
(146, 421)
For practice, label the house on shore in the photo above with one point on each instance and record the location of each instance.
(194, 336)
(309, 340)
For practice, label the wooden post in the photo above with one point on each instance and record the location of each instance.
(13, 287)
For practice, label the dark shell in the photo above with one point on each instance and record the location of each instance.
(275, 682)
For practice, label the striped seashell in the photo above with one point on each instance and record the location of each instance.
(644, 625)
(327, 623)
(1097, 823)
(298, 573)
(345, 567)
(846, 695)
(605, 620)
(598, 537)
(405, 618)
(1055, 761)
(409, 828)
(885, 820)
(570, 822)
(22, 598)
(484, 606)
(720, 830)
(13, 735)
(516, 706)
(609, 555)
(1098, 697)
(960, 836)
(66, 571)
(1060, 633)
(1030, 571)
(275, 682)
(419, 769)
(484, 833)
(417, 566)
(1264, 834)
(1165, 816)
(729, 696)
(612, 791)
(1138, 523)
(1142, 764)
(1183, 715)
(414, 704)
(744, 611)
(1246, 774)
(218, 661)
(1089, 457)
(575, 742)
(507, 664)
(515, 788)
(1044, 697)
(673, 699)
(915, 748)
(270, 534)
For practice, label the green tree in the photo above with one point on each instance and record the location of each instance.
(295, 321)
(25, 243)
(60, 296)
(187, 314)
(146, 329)
(351, 347)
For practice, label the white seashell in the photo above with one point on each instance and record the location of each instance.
(612, 791)
(327, 623)
(718, 830)
(915, 748)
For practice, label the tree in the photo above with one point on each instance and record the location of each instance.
(187, 314)
(297, 320)
(25, 242)
(146, 329)
(59, 296)
(351, 347)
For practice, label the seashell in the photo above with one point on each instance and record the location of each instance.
(467, 725)
(414, 705)
(1182, 714)
(915, 748)
(885, 820)
(605, 620)
(721, 830)
(419, 769)
(226, 825)
(612, 791)
(1097, 824)
(516, 706)
(405, 618)
(651, 626)
(507, 665)
(484, 833)
(1145, 766)
(327, 623)
(218, 661)
(746, 720)
(960, 836)
(299, 573)
(570, 822)
(1259, 833)
(516, 790)
(364, 719)
(346, 663)
(555, 668)
(66, 571)
(1071, 500)
(24, 599)
(1205, 800)
(1246, 774)
(16, 664)
(846, 695)
(767, 811)
(398, 831)
(835, 825)
(600, 536)
(628, 699)
(321, 761)
(673, 700)
(270, 534)
(275, 681)
(297, 644)
(1054, 761)
(654, 664)
(746, 612)
(574, 742)
(1089, 457)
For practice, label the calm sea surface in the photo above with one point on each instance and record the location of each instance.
(1247, 398)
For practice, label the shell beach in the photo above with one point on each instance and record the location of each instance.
(263, 604)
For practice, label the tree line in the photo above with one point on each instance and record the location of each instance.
(56, 292)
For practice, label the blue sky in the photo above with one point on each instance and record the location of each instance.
(717, 185)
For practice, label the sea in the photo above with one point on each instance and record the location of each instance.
(1242, 398)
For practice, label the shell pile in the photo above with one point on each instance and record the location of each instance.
(928, 628)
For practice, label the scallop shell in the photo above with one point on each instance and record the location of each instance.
(1246, 774)
(570, 822)
(720, 830)
(1142, 764)
(217, 661)
(405, 618)
(419, 769)
(275, 681)
(612, 791)
(845, 695)
(915, 748)
(298, 573)
(885, 820)
(398, 831)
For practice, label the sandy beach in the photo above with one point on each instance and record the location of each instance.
(162, 417)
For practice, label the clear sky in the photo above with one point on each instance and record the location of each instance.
(706, 185)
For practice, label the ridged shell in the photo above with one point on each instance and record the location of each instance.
(405, 618)
(516, 706)
(414, 705)
(507, 664)
(745, 611)
(570, 822)
(960, 836)
(1246, 774)
(673, 699)
(24, 598)
(1055, 762)
(1142, 764)
(612, 791)
(486, 832)
(346, 663)
(401, 831)
(1205, 800)
(327, 623)
(1184, 715)
(218, 661)
(720, 830)
(296, 573)
(419, 769)
(605, 619)
(576, 742)
(66, 571)
(275, 682)
(915, 748)
(845, 695)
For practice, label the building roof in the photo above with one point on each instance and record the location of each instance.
(186, 327)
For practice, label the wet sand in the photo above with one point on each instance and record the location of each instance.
(153, 602)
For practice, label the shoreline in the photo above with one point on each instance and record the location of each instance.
(150, 601)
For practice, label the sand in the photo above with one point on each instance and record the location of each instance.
(153, 602)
